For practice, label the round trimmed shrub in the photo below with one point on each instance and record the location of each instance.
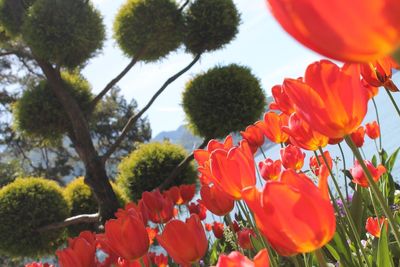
(223, 100)
(149, 28)
(82, 201)
(64, 32)
(210, 24)
(26, 205)
(38, 113)
(12, 14)
(149, 165)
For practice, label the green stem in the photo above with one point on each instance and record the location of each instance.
(373, 203)
(295, 261)
(320, 258)
(262, 151)
(344, 172)
(393, 101)
(379, 123)
(375, 190)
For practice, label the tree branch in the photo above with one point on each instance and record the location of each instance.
(83, 218)
(135, 117)
(181, 166)
(184, 5)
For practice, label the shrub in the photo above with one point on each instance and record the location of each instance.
(66, 32)
(12, 14)
(223, 100)
(26, 205)
(37, 113)
(152, 28)
(149, 165)
(210, 24)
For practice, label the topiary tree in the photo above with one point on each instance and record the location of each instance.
(210, 24)
(149, 29)
(26, 205)
(147, 167)
(223, 100)
(37, 113)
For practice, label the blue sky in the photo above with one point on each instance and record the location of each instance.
(261, 45)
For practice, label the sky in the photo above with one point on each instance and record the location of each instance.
(261, 45)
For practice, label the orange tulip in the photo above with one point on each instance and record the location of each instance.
(292, 157)
(282, 101)
(127, 236)
(270, 169)
(216, 200)
(331, 100)
(358, 136)
(371, 90)
(160, 209)
(254, 137)
(272, 126)
(187, 192)
(233, 170)
(373, 225)
(293, 214)
(379, 73)
(301, 135)
(314, 165)
(372, 130)
(357, 30)
(80, 251)
(186, 242)
(359, 175)
(235, 259)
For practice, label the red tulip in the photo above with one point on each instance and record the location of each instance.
(233, 170)
(358, 136)
(80, 251)
(293, 214)
(357, 30)
(282, 101)
(292, 157)
(244, 240)
(160, 209)
(373, 225)
(174, 194)
(142, 262)
(216, 200)
(272, 126)
(218, 229)
(187, 192)
(199, 209)
(38, 264)
(314, 165)
(359, 175)
(301, 135)
(331, 100)
(379, 73)
(254, 137)
(186, 242)
(159, 260)
(372, 130)
(270, 169)
(236, 259)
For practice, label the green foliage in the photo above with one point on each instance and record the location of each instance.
(210, 24)
(148, 166)
(223, 100)
(12, 14)
(65, 32)
(82, 201)
(26, 205)
(9, 171)
(151, 28)
(38, 113)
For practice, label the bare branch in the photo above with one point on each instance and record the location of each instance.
(132, 120)
(83, 218)
(181, 166)
(184, 5)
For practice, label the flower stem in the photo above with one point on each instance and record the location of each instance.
(344, 172)
(320, 258)
(393, 101)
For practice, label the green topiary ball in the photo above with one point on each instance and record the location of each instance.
(12, 14)
(82, 201)
(64, 32)
(151, 28)
(223, 100)
(210, 24)
(149, 165)
(38, 113)
(26, 205)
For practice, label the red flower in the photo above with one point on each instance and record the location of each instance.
(187, 192)
(337, 30)
(216, 200)
(282, 101)
(38, 264)
(379, 73)
(199, 209)
(331, 100)
(236, 259)
(272, 126)
(314, 166)
(292, 157)
(145, 260)
(174, 194)
(372, 130)
(293, 214)
(244, 240)
(186, 242)
(270, 169)
(160, 209)
(254, 137)
(359, 175)
(358, 136)
(373, 225)
(218, 229)
(159, 260)
(80, 251)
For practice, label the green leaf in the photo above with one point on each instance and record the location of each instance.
(356, 209)
(384, 258)
(391, 160)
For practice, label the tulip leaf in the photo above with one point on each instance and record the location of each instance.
(384, 258)
(391, 160)
(256, 243)
(356, 209)
(340, 250)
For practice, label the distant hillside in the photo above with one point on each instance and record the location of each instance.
(181, 136)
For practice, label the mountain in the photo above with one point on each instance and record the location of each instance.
(181, 136)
